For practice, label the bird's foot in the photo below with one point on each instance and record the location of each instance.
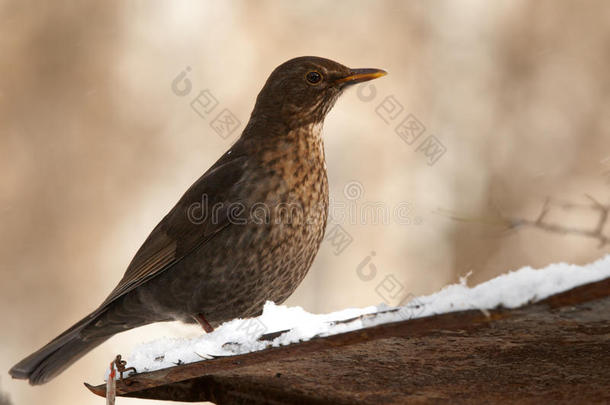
(204, 323)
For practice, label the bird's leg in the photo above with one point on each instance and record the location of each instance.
(204, 323)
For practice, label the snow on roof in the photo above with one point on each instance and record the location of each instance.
(239, 336)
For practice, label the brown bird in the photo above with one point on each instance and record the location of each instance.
(245, 232)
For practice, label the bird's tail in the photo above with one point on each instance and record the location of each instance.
(53, 358)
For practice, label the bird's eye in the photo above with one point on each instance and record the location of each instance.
(313, 77)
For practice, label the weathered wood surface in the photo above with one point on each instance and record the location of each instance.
(554, 351)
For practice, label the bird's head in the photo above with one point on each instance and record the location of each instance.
(302, 90)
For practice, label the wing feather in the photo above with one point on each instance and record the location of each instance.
(176, 236)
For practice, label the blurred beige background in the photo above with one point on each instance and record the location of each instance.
(95, 147)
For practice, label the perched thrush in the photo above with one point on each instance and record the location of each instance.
(245, 232)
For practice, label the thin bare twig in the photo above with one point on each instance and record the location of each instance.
(596, 233)
(511, 223)
(121, 368)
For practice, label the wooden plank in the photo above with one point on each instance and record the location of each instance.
(584, 312)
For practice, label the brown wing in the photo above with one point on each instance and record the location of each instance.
(177, 235)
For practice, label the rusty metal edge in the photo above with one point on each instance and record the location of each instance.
(465, 320)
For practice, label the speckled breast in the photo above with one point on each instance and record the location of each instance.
(266, 253)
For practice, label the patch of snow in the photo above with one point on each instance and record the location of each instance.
(510, 290)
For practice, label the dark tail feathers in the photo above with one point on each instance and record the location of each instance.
(41, 366)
